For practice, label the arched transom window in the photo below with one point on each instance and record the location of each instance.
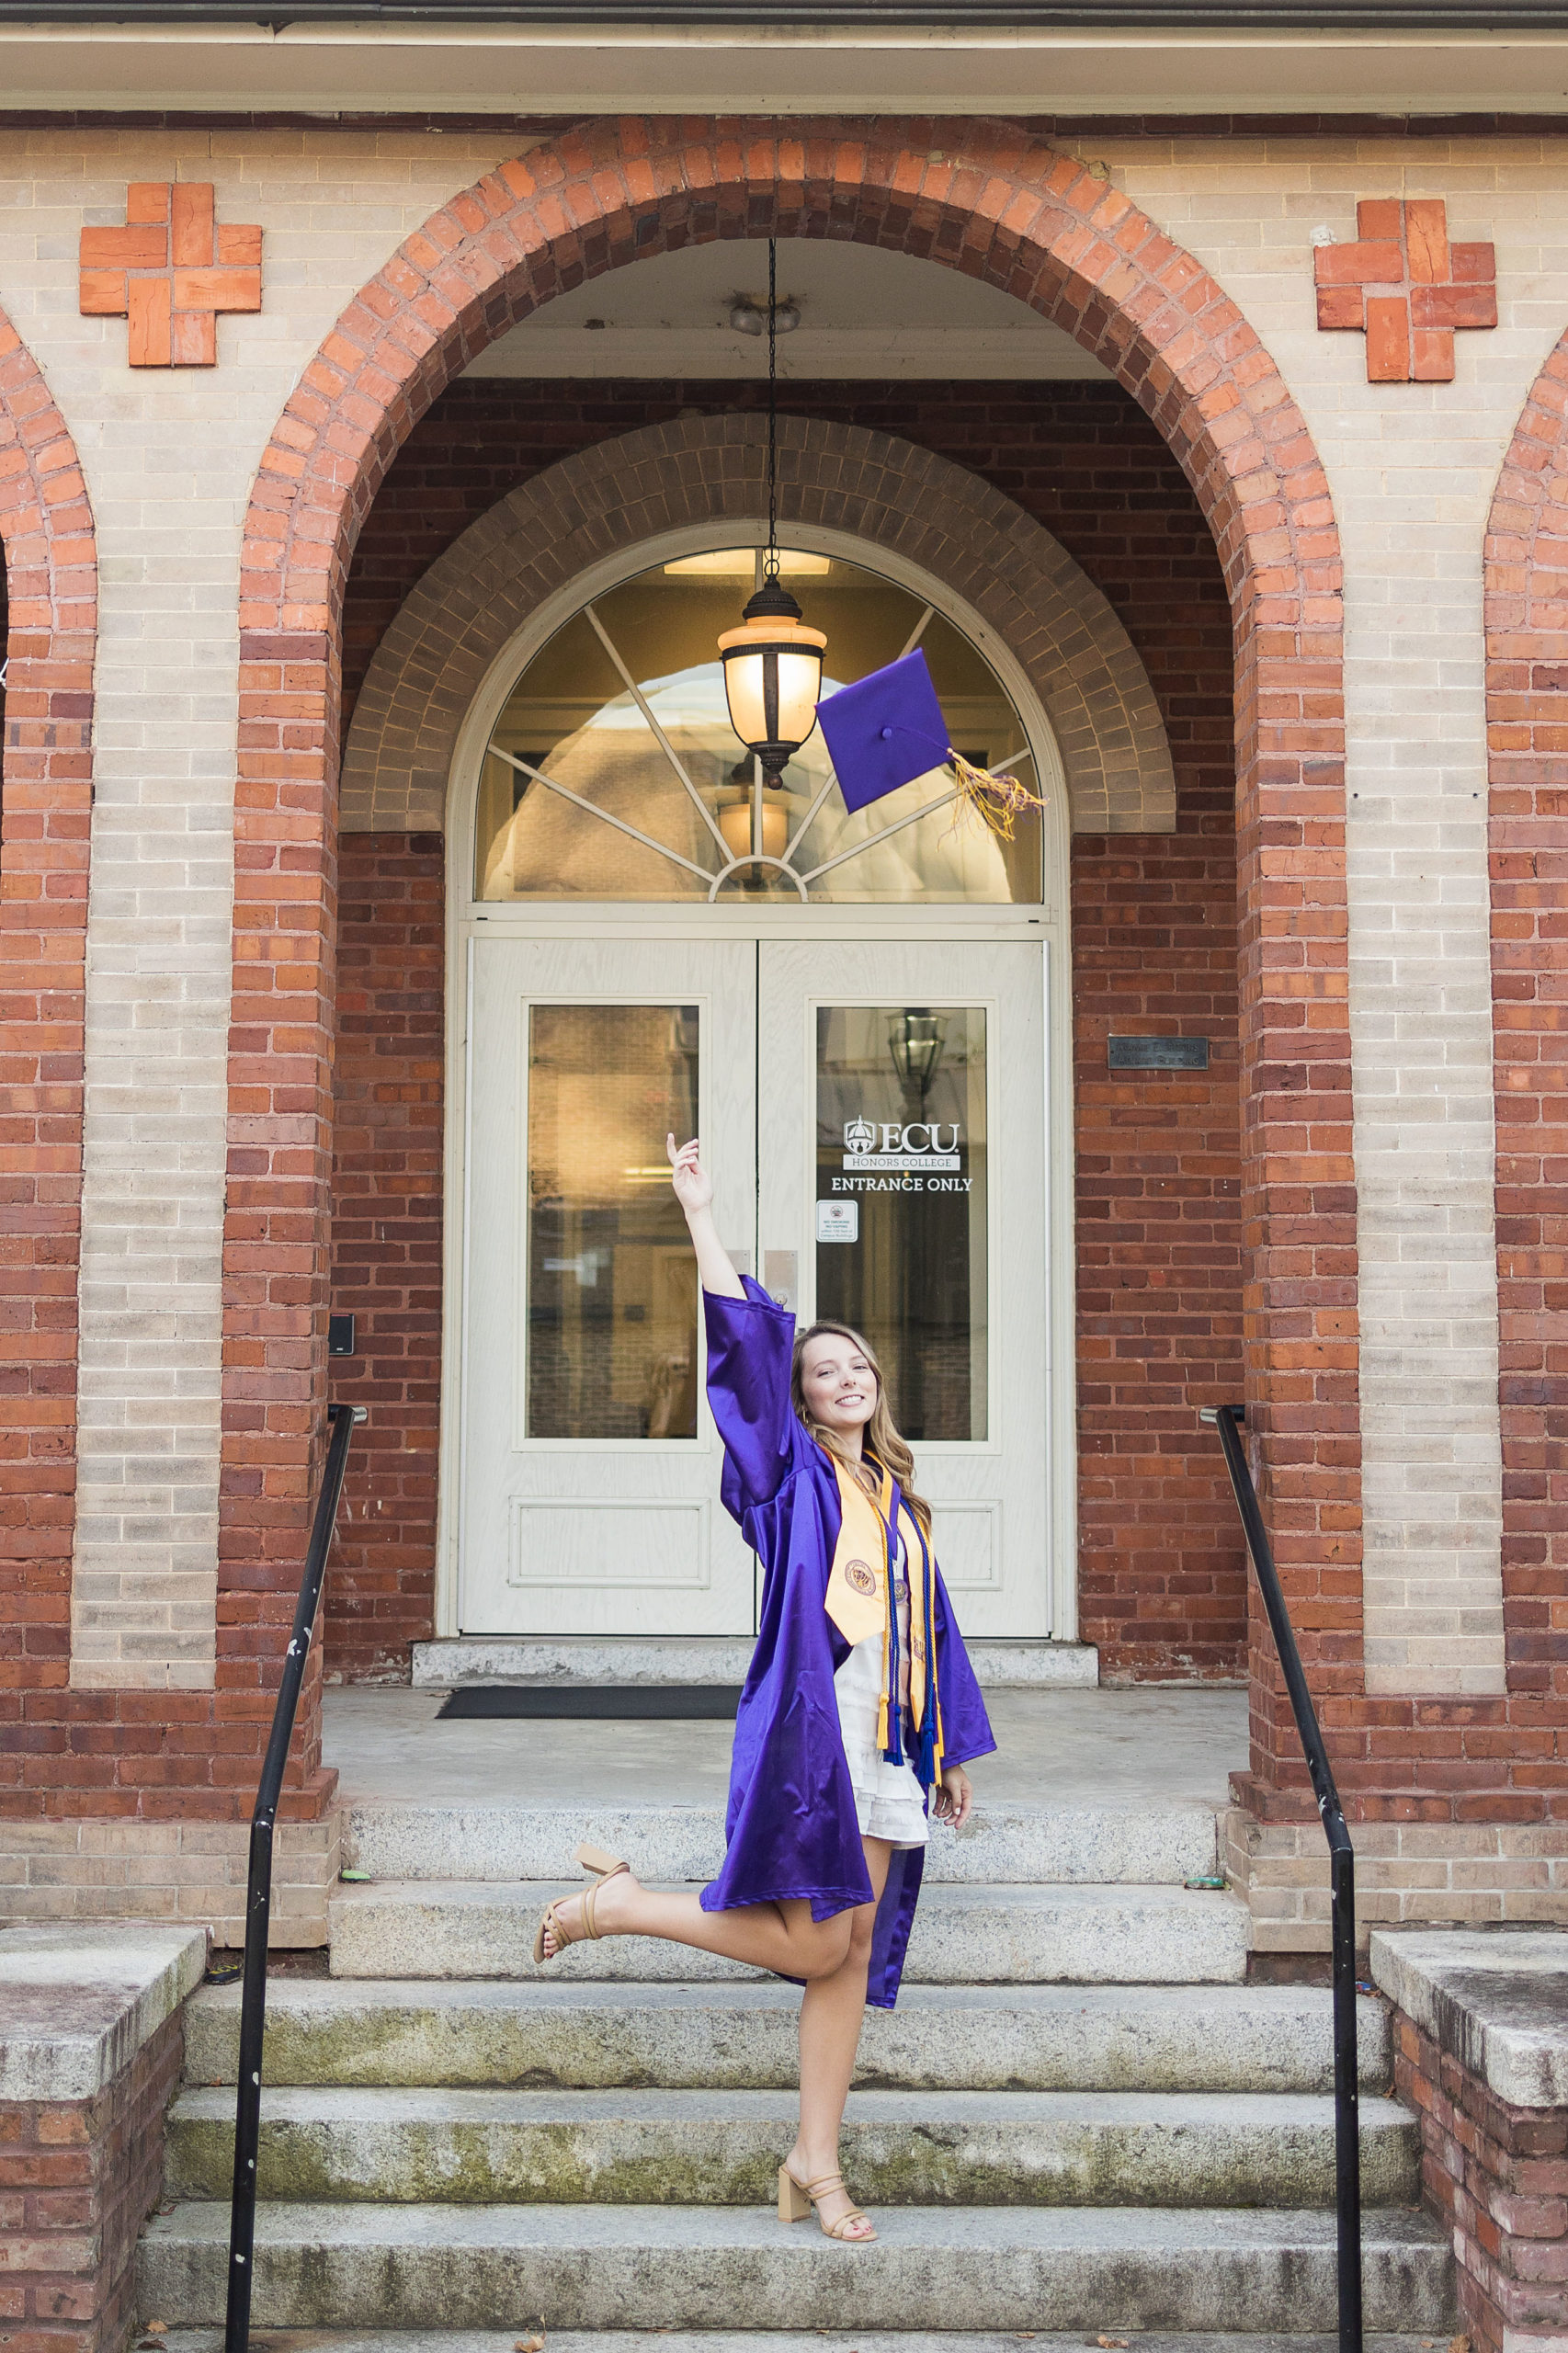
(612, 771)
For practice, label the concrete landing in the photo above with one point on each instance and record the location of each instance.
(1158, 1748)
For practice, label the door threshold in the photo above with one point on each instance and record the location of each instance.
(716, 1659)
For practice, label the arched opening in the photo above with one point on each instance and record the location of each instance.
(611, 770)
(632, 966)
(1049, 666)
(1037, 225)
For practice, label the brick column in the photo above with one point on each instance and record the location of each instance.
(1482, 2056)
(91, 2043)
(50, 608)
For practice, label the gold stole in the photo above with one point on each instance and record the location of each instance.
(859, 1587)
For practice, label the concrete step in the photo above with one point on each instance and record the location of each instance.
(974, 1935)
(704, 1658)
(1071, 1844)
(706, 2148)
(816, 2340)
(1112, 2270)
(741, 2037)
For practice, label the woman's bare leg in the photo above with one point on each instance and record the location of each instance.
(781, 1937)
(832, 2012)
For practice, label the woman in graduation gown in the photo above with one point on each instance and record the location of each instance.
(854, 1717)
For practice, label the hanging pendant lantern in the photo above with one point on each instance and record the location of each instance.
(773, 676)
(773, 662)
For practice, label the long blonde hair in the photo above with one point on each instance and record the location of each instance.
(880, 1437)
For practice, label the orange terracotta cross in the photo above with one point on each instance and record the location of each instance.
(1406, 289)
(171, 269)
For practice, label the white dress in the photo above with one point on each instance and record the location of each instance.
(888, 1799)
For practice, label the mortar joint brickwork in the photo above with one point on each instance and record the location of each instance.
(1527, 726)
(1161, 1580)
(458, 618)
(170, 271)
(78, 2179)
(1042, 227)
(1496, 2177)
(50, 605)
(1402, 285)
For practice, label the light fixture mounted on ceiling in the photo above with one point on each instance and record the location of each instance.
(750, 316)
(773, 662)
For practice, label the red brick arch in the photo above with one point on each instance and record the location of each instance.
(1527, 725)
(46, 530)
(988, 201)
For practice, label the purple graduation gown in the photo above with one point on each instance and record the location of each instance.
(791, 1826)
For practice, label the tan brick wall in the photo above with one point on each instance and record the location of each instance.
(168, 457)
(1466, 1872)
(1410, 470)
(1222, 228)
(184, 1872)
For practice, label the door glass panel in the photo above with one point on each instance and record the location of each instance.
(902, 1203)
(612, 771)
(611, 1279)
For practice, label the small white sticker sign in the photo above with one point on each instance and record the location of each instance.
(838, 1221)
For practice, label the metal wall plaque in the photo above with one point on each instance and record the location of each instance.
(1157, 1053)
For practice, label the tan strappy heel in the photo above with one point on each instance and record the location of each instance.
(601, 1866)
(797, 2198)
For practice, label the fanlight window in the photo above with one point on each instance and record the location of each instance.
(612, 771)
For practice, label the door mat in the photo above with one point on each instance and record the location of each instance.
(613, 1702)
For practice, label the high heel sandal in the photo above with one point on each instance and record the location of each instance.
(601, 1866)
(797, 2199)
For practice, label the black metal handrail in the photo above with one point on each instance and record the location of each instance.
(1228, 1420)
(259, 1897)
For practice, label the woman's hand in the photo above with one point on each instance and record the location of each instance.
(954, 1802)
(694, 1191)
(694, 1187)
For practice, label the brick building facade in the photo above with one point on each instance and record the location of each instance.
(1161, 1582)
(1281, 626)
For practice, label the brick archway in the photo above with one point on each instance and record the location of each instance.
(1526, 727)
(1006, 566)
(46, 530)
(995, 205)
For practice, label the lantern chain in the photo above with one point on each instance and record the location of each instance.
(770, 563)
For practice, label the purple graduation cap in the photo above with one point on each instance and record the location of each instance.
(884, 731)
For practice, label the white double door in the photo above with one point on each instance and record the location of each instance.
(874, 1116)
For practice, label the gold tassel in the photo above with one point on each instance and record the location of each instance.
(999, 801)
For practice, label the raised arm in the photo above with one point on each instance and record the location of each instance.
(694, 1191)
(749, 1344)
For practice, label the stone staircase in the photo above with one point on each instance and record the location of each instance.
(1080, 2117)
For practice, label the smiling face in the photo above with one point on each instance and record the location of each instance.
(837, 1383)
